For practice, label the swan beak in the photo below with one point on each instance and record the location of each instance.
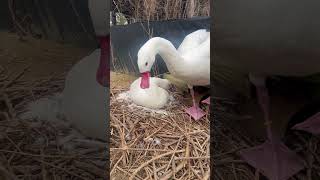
(145, 80)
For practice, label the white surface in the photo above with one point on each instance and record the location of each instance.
(124, 98)
(154, 97)
(83, 101)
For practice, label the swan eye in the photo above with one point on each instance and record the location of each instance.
(146, 63)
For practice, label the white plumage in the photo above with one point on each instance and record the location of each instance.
(190, 62)
(155, 97)
(83, 101)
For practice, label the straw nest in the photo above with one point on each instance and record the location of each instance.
(35, 149)
(31, 148)
(163, 144)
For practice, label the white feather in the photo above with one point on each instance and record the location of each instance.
(84, 100)
(154, 97)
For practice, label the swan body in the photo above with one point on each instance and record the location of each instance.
(84, 99)
(85, 93)
(190, 62)
(154, 97)
(193, 40)
(283, 43)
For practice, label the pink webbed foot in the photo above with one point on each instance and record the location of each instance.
(206, 101)
(273, 158)
(276, 163)
(195, 112)
(311, 125)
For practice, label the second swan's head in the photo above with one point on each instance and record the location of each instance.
(146, 59)
(147, 54)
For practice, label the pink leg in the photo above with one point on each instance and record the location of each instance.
(195, 111)
(263, 99)
(276, 161)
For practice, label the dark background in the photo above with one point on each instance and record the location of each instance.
(66, 21)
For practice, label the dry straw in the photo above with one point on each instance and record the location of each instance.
(146, 10)
(145, 145)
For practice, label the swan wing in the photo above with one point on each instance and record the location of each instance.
(193, 40)
(201, 51)
(162, 83)
(197, 65)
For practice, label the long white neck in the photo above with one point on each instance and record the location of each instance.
(167, 51)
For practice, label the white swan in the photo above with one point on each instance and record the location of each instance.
(155, 97)
(262, 46)
(85, 93)
(190, 63)
(84, 99)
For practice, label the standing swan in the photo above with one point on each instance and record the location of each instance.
(261, 44)
(190, 63)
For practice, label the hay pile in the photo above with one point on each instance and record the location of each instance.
(31, 148)
(156, 144)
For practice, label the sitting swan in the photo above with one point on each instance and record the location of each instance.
(84, 99)
(154, 97)
(190, 63)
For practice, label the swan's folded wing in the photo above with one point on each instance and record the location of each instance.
(163, 83)
(193, 40)
(201, 51)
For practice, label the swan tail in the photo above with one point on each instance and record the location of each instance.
(48, 108)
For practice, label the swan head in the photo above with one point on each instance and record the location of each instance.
(146, 59)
